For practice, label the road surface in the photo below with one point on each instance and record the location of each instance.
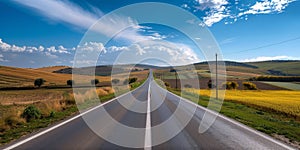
(76, 134)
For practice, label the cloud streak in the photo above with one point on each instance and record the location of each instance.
(63, 11)
(72, 14)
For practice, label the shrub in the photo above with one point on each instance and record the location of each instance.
(230, 85)
(132, 80)
(188, 86)
(39, 82)
(167, 84)
(249, 86)
(94, 81)
(129, 81)
(70, 82)
(210, 85)
(31, 112)
(115, 81)
(52, 114)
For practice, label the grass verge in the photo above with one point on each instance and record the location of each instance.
(271, 123)
(22, 128)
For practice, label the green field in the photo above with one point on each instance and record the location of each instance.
(286, 85)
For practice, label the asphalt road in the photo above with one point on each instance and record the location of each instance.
(174, 126)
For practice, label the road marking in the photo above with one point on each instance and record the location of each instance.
(67, 121)
(148, 140)
(233, 122)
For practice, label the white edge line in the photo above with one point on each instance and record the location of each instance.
(234, 122)
(148, 140)
(67, 121)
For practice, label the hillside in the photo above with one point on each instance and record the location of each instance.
(288, 68)
(20, 77)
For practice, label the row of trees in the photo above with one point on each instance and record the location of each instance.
(40, 81)
(276, 78)
(231, 85)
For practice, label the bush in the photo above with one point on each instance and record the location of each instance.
(230, 85)
(39, 82)
(167, 84)
(129, 81)
(210, 85)
(31, 112)
(188, 86)
(249, 86)
(94, 82)
(70, 82)
(115, 81)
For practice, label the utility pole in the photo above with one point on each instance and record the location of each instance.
(176, 78)
(217, 96)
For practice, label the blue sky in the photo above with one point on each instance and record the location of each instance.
(47, 33)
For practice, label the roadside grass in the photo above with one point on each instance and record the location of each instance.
(269, 122)
(13, 126)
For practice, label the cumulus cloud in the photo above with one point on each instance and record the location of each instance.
(173, 53)
(50, 55)
(267, 58)
(91, 46)
(5, 47)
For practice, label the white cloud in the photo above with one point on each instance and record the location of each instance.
(217, 10)
(63, 11)
(70, 13)
(50, 55)
(2, 58)
(267, 58)
(59, 49)
(173, 53)
(267, 6)
(92, 46)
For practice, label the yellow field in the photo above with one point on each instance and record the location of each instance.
(287, 102)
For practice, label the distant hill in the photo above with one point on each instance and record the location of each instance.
(279, 67)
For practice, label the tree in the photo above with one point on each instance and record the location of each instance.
(209, 84)
(174, 70)
(39, 82)
(94, 81)
(132, 80)
(115, 81)
(249, 86)
(230, 85)
(70, 82)
(129, 81)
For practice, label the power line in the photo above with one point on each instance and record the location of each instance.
(264, 46)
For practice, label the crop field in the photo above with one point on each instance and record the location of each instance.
(287, 85)
(21, 77)
(284, 102)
